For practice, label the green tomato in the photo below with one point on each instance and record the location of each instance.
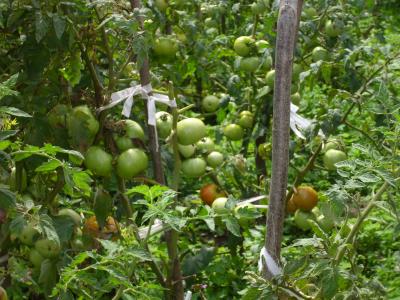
(186, 150)
(210, 103)
(297, 69)
(249, 64)
(320, 53)
(332, 157)
(246, 119)
(165, 47)
(333, 28)
(205, 145)
(161, 5)
(190, 131)
(48, 248)
(28, 235)
(258, 8)
(132, 129)
(58, 116)
(243, 45)
(301, 219)
(131, 163)
(194, 167)
(92, 123)
(78, 243)
(261, 45)
(123, 143)
(219, 205)
(233, 132)
(164, 124)
(215, 159)
(270, 79)
(295, 98)
(333, 143)
(73, 215)
(98, 161)
(310, 13)
(266, 64)
(35, 258)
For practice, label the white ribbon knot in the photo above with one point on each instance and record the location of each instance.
(271, 265)
(298, 122)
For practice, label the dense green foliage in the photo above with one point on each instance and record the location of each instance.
(79, 202)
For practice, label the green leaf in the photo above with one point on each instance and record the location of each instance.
(40, 26)
(59, 25)
(296, 265)
(47, 226)
(48, 274)
(49, 166)
(6, 87)
(193, 264)
(14, 112)
(72, 70)
(5, 134)
(369, 178)
(7, 199)
(210, 223)
(232, 225)
(64, 227)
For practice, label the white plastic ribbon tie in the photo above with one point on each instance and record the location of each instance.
(188, 295)
(145, 91)
(271, 265)
(298, 122)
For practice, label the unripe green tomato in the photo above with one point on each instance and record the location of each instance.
(297, 69)
(301, 219)
(132, 129)
(270, 79)
(246, 119)
(296, 98)
(48, 248)
(165, 47)
(98, 161)
(205, 145)
(186, 150)
(194, 167)
(131, 163)
(261, 45)
(190, 131)
(210, 103)
(331, 157)
(35, 258)
(264, 150)
(58, 116)
(77, 243)
(219, 205)
(233, 132)
(80, 113)
(310, 13)
(28, 235)
(164, 124)
(333, 143)
(333, 28)
(161, 5)
(73, 215)
(249, 64)
(243, 45)
(257, 8)
(294, 88)
(266, 64)
(215, 159)
(319, 53)
(123, 143)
